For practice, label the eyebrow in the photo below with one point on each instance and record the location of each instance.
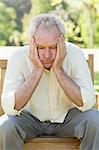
(45, 46)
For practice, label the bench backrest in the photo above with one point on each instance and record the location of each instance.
(3, 65)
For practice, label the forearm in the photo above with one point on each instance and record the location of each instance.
(71, 89)
(24, 93)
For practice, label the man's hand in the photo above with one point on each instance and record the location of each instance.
(33, 55)
(25, 91)
(61, 53)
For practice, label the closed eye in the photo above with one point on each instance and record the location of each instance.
(39, 47)
(53, 47)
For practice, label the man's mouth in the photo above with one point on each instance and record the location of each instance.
(47, 65)
(48, 62)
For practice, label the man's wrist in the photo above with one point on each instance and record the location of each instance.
(38, 70)
(58, 70)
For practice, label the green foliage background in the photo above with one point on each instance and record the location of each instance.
(80, 16)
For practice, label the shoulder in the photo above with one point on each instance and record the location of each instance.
(19, 54)
(73, 50)
(74, 56)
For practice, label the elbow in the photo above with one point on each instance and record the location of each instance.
(17, 106)
(80, 104)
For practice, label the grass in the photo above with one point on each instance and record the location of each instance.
(96, 81)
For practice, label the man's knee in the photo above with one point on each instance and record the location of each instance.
(90, 121)
(92, 116)
(11, 135)
(6, 125)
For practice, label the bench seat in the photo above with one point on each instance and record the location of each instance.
(46, 143)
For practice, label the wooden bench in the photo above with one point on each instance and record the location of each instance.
(49, 143)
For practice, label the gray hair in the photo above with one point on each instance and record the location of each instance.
(49, 21)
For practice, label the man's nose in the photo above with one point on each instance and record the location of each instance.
(47, 53)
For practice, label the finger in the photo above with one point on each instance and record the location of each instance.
(58, 50)
(61, 42)
(30, 49)
(35, 50)
(32, 41)
(60, 45)
(63, 46)
(32, 52)
(36, 55)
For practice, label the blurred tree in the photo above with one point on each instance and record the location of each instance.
(96, 30)
(38, 7)
(51, 6)
(80, 17)
(96, 23)
(89, 22)
(7, 23)
(65, 9)
(21, 7)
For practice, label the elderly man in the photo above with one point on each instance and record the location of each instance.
(48, 90)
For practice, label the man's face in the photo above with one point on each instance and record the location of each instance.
(46, 42)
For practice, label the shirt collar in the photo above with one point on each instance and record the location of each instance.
(46, 71)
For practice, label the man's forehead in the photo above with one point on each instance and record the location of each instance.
(46, 38)
(41, 29)
(38, 45)
(45, 41)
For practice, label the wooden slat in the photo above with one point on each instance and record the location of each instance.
(3, 64)
(52, 144)
(91, 65)
(2, 79)
(97, 100)
(53, 140)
